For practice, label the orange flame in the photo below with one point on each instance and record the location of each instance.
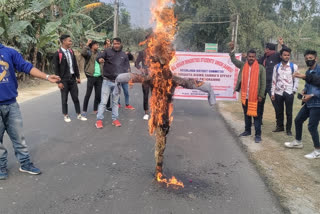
(160, 53)
(172, 181)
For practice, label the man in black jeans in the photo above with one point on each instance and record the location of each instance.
(145, 87)
(310, 109)
(284, 86)
(65, 66)
(93, 73)
(269, 60)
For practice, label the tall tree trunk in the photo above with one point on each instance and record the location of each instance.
(34, 60)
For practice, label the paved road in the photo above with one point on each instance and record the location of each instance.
(87, 171)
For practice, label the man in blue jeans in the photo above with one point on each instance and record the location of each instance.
(115, 62)
(125, 88)
(10, 115)
(310, 109)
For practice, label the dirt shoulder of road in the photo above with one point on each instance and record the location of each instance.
(294, 179)
(34, 88)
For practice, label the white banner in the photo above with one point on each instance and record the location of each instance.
(215, 68)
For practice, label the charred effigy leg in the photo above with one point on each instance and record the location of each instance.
(160, 146)
(161, 131)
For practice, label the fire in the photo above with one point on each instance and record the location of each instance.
(172, 181)
(160, 54)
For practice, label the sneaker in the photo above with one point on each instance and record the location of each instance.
(244, 134)
(289, 133)
(146, 117)
(129, 107)
(84, 114)
(3, 173)
(30, 168)
(109, 109)
(82, 118)
(257, 139)
(116, 123)
(313, 155)
(294, 144)
(99, 124)
(67, 119)
(278, 129)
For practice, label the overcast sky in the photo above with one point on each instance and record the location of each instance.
(139, 11)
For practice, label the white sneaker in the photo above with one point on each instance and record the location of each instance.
(294, 144)
(67, 119)
(313, 155)
(146, 117)
(80, 117)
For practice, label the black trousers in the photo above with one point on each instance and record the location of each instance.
(96, 83)
(145, 90)
(268, 91)
(72, 87)
(257, 120)
(280, 101)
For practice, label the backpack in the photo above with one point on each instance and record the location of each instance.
(291, 66)
(60, 54)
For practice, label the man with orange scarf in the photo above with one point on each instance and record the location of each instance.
(252, 85)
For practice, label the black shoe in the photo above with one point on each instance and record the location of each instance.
(244, 134)
(109, 109)
(278, 129)
(289, 133)
(258, 139)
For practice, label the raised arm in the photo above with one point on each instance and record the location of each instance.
(237, 63)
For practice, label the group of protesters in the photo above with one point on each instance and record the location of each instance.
(274, 74)
(101, 70)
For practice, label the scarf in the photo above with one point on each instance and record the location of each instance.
(269, 53)
(254, 84)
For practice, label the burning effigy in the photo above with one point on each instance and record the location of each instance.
(160, 53)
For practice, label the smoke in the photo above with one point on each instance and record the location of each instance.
(139, 11)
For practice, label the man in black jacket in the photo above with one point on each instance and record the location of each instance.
(145, 87)
(115, 62)
(66, 67)
(269, 60)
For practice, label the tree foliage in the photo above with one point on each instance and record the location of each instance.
(261, 21)
(34, 26)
